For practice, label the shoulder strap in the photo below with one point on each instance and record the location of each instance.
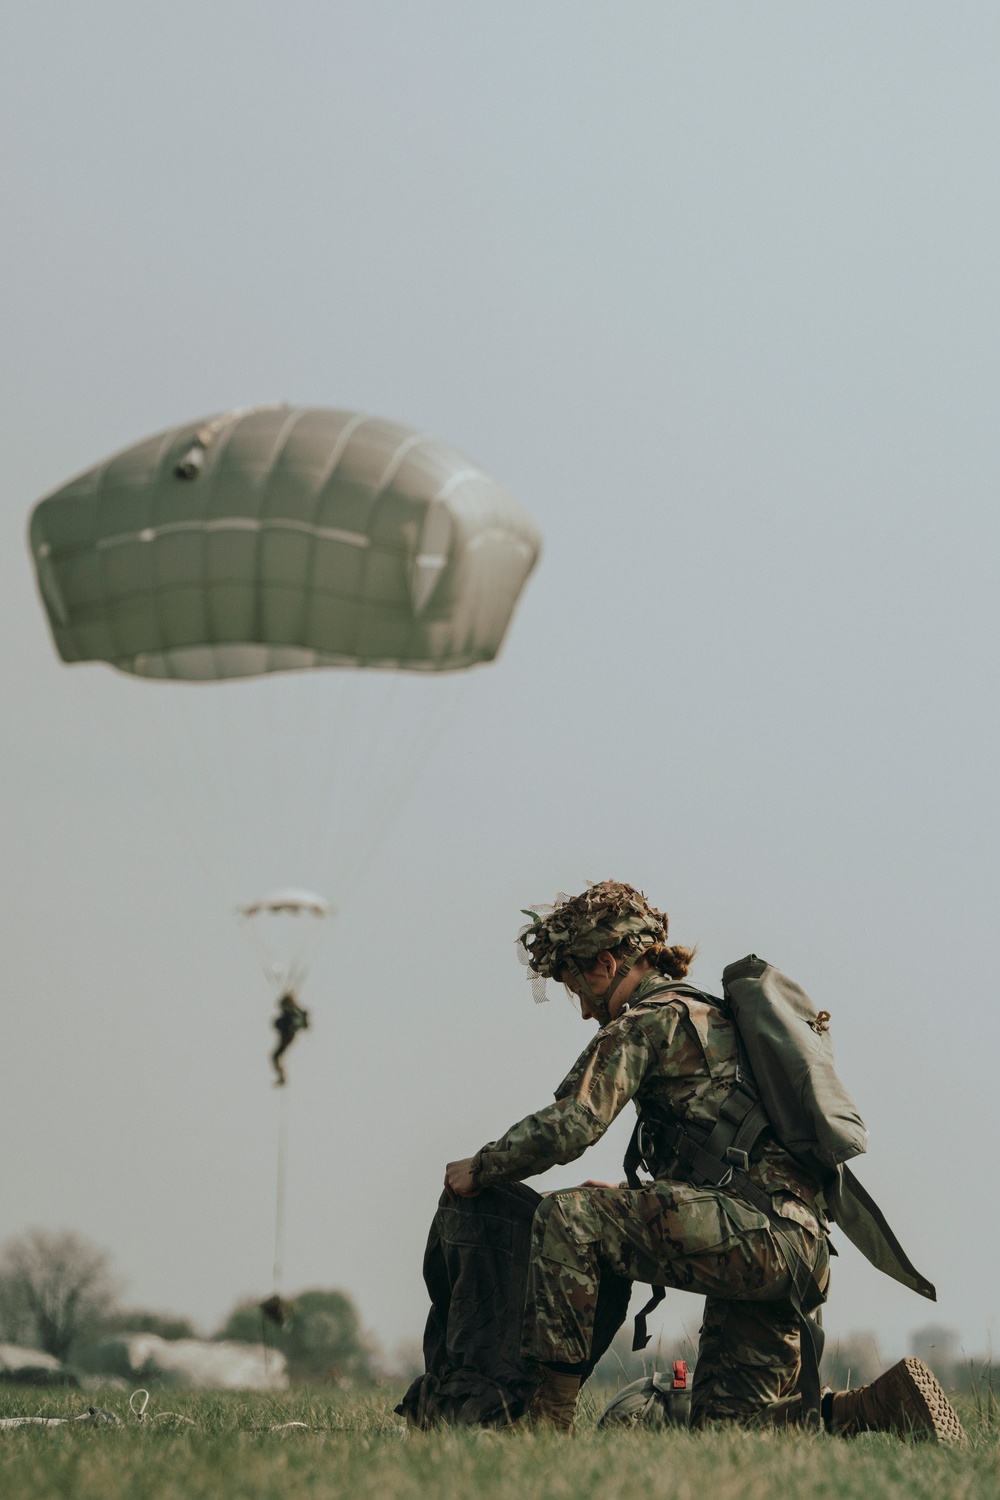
(678, 990)
(741, 1122)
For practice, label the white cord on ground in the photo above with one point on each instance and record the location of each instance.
(97, 1417)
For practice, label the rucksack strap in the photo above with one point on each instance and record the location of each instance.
(720, 1157)
(724, 1153)
(708, 1155)
(698, 1155)
(640, 1334)
(806, 1296)
(677, 989)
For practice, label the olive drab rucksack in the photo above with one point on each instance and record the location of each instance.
(786, 1084)
(790, 1057)
(787, 1047)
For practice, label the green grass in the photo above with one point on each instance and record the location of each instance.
(356, 1447)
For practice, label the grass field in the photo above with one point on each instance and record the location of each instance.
(356, 1447)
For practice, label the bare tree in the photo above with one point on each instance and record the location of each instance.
(56, 1288)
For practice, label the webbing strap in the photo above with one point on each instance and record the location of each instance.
(714, 1157)
(640, 1335)
(633, 1160)
(721, 1160)
(806, 1296)
(811, 1341)
(633, 1157)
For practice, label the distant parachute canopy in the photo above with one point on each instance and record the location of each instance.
(279, 539)
(289, 901)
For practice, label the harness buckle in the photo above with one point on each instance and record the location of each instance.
(646, 1143)
(738, 1159)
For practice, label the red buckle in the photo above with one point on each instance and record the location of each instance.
(680, 1374)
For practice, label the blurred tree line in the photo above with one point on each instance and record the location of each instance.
(58, 1293)
(852, 1359)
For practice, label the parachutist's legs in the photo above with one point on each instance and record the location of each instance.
(282, 1047)
(290, 1020)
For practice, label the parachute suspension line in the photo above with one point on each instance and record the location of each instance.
(269, 793)
(280, 1190)
(192, 831)
(302, 696)
(431, 732)
(358, 806)
(271, 969)
(212, 794)
(290, 975)
(302, 962)
(192, 776)
(391, 798)
(344, 714)
(229, 720)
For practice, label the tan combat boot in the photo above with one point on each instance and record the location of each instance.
(907, 1400)
(554, 1402)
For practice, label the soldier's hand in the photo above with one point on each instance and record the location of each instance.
(592, 1182)
(458, 1179)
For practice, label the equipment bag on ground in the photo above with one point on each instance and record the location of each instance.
(476, 1271)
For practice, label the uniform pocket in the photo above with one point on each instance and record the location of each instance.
(571, 1225)
(702, 1221)
(742, 1218)
(697, 1220)
(787, 1206)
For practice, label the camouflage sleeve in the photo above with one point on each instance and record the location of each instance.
(597, 1089)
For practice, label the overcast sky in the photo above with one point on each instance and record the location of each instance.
(713, 290)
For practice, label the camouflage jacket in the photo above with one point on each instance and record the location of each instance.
(679, 1054)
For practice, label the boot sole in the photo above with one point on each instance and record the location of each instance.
(934, 1417)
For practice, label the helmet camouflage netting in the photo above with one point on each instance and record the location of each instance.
(605, 916)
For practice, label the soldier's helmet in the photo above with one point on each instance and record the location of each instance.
(605, 916)
(655, 1401)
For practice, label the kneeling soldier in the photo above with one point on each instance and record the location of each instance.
(756, 1246)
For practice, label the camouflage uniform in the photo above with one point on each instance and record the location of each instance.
(680, 1054)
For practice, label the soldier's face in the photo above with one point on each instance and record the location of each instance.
(598, 981)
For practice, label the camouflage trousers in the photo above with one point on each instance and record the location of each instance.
(695, 1239)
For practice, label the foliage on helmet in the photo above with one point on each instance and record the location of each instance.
(606, 916)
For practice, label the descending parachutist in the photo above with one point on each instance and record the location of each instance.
(290, 1020)
(277, 1310)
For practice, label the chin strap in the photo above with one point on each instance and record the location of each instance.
(599, 1004)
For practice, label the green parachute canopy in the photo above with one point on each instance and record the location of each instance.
(277, 539)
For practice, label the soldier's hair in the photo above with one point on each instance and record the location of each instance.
(671, 959)
(668, 959)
